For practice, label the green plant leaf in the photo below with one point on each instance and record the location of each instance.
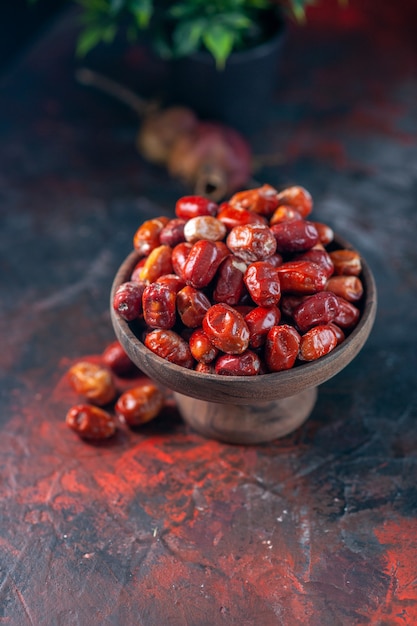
(236, 20)
(298, 8)
(116, 6)
(181, 11)
(258, 4)
(187, 36)
(162, 48)
(142, 11)
(88, 39)
(109, 33)
(96, 6)
(219, 41)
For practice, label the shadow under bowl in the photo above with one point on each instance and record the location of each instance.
(246, 409)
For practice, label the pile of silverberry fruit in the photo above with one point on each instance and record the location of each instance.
(245, 287)
(112, 392)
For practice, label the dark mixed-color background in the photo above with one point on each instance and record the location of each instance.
(160, 526)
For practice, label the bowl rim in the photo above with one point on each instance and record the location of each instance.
(244, 389)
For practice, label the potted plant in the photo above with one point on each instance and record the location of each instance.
(222, 54)
(184, 27)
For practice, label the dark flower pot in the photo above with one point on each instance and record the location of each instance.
(239, 94)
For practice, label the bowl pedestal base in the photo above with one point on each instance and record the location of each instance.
(247, 423)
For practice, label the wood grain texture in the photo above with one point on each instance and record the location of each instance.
(258, 422)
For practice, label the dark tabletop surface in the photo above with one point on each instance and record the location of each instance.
(160, 526)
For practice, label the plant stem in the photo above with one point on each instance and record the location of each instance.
(138, 104)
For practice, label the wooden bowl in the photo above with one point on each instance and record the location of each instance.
(242, 409)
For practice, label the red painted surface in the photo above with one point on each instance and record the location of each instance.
(159, 526)
(160, 522)
(398, 540)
